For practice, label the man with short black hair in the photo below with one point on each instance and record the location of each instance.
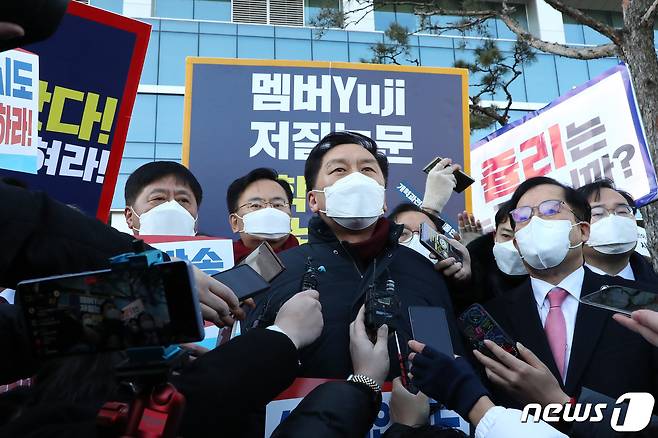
(611, 246)
(496, 264)
(580, 344)
(259, 206)
(351, 246)
(162, 198)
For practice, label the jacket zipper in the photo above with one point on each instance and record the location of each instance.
(352, 259)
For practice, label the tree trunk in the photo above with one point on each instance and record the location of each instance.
(637, 50)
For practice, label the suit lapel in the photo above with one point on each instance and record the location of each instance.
(590, 323)
(527, 327)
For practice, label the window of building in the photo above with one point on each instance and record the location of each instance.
(401, 14)
(577, 33)
(218, 10)
(313, 7)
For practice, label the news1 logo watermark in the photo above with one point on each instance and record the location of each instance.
(638, 413)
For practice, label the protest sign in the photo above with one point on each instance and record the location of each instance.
(642, 246)
(19, 108)
(210, 254)
(278, 409)
(244, 114)
(593, 131)
(89, 72)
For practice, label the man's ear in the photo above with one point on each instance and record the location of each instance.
(234, 221)
(312, 199)
(131, 219)
(584, 231)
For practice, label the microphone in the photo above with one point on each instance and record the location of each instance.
(310, 278)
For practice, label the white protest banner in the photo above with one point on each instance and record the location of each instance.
(278, 409)
(19, 110)
(594, 131)
(210, 254)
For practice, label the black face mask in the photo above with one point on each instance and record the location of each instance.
(38, 18)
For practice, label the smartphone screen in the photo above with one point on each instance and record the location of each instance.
(243, 281)
(265, 262)
(621, 299)
(437, 243)
(430, 326)
(111, 310)
(477, 326)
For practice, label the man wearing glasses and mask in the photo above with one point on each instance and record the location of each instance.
(581, 345)
(611, 246)
(259, 210)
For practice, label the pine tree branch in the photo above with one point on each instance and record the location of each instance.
(579, 16)
(488, 112)
(595, 52)
(650, 16)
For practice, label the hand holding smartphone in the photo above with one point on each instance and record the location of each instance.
(438, 244)
(463, 180)
(477, 325)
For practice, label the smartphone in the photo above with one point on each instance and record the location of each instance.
(106, 310)
(265, 262)
(463, 180)
(438, 244)
(430, 326)
(621, 299)
(477, 325)
(244, 281)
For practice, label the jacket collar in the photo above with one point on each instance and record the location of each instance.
(319, 231)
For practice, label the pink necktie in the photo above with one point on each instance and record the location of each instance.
(556, 327)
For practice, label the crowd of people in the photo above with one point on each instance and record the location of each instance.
(551, 245)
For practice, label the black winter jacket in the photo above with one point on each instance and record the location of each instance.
(342, 288)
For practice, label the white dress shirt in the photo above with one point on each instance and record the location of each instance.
(626, 273)
(573, 284)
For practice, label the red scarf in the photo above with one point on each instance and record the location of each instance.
(240, 251)
(367, 250)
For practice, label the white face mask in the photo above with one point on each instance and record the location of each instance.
(167, 219)
(544, 244)
(414, 243)
(613, 235)
(508, 258)
(266, 223)
(354, 201)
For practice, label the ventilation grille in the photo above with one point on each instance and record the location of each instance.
(287, 12)
(281, 12)
(250, 11)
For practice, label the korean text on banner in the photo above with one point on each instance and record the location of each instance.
(592, 132)
(274, 112)
(19, 109)
(277, 410)
(87, 81)
(209, 254)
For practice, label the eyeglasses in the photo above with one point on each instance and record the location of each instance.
(550, 207)
(407, 235)
(258, 204)
(620, 210)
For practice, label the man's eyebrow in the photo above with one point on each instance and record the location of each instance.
(336, 161)
(157, 190)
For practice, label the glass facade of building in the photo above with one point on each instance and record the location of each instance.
(203, 28)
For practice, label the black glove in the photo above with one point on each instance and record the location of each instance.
(449, 381)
